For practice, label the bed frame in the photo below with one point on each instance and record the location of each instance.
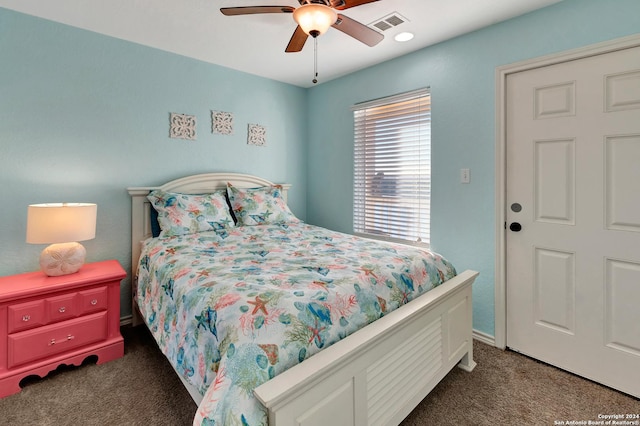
(377, 375)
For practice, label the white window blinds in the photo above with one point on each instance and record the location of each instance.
(392, 170)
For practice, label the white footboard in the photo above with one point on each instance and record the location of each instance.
(378, 375)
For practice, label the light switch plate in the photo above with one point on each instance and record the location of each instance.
(465, 176)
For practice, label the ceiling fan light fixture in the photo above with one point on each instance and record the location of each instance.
(315, 19)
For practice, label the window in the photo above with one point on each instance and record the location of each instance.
(392, 168)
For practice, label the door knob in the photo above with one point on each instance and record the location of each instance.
(515, 227)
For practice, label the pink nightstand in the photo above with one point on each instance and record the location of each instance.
(48, 321)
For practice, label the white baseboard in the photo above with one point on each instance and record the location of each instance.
(484, 337)
(126, 320)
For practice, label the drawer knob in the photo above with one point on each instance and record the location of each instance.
(62, 309)
(26, 318)
(94, 302)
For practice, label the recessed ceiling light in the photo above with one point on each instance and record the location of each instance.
(405, 36)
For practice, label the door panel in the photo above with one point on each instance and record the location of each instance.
(621, 305)
(554, 290)
(573, 164)
(554, 181)
(622, 174)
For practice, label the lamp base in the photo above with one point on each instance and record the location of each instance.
(62, 259)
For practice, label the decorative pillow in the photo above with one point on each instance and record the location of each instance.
(155, 226)
(259, 206)
(180, 214)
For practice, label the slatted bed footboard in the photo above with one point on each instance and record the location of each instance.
(379, 374)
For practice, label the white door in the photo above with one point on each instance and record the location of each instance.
(573, 185)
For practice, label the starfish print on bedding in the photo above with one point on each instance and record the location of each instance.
(203, 273)
(315, 334)
(405, 296)
(369, 271)
(260, 305)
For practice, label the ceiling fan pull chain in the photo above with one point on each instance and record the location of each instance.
(315, 60)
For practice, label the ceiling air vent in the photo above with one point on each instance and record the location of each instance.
(389, 21)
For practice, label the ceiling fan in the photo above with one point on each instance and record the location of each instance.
(314, 17)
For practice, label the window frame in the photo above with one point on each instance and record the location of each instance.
(366, 147)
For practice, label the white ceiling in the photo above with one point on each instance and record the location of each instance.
(256, 43)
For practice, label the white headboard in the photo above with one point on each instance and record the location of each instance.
(195, 184)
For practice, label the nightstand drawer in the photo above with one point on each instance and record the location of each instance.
(26, 315)
(93, 300)
(52, 339)
(62, 307)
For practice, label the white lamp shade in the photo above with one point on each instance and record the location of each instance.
(61, 222)
(315, 17)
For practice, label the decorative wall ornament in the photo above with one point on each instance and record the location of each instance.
(257, 135)
(221, 122)
(183, 126)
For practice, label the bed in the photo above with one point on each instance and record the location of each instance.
(374, 375)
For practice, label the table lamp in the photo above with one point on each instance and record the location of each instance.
(62, 225)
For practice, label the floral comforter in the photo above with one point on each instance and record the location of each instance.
(232, 309)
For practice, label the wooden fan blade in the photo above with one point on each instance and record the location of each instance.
(357, 30)
(297, 41)
(350, 3)
(251, 10)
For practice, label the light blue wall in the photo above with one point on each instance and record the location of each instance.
(461, 74)
(83, 116)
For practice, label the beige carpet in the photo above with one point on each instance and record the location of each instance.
(142, 389)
